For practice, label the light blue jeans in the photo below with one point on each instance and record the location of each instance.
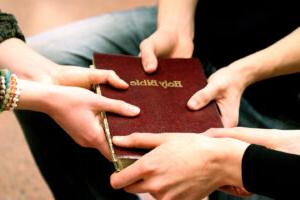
(118, 33)
(73, 172)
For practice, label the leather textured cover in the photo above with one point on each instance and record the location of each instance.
(162, 97)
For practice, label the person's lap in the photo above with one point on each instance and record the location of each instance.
(71, 171)
(117, 33)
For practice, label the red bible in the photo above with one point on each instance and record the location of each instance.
(162, 97)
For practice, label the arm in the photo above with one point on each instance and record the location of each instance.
(82, 123)
(271, 173)
(270, 166)
(177, 16)
(281, 58)
(174, 35)
(16, 56)
(281, 140)
(227, 85)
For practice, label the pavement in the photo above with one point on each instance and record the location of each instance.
(19, 176)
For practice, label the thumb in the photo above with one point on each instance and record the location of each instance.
(97, 76)
(102, 144)
(149, 59)
(140, 140)
(202, 98)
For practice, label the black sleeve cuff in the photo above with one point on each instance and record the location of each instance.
(271, 173)
(9, 27)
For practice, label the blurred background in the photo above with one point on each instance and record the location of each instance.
(19, 176)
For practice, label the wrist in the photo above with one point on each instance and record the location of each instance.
(182, 41)
(256, 67)
(177, 17)
(182, 31)
(232, 162)
(245, 73)
(224, 160)
(37, 96)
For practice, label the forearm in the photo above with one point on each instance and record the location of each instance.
(281, 58)
(16, 56)
(258, 169)
(271, 173)
(177, 15)
(37, 96)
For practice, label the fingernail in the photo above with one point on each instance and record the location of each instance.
(133, 109)
(192, 103)
(150, 66)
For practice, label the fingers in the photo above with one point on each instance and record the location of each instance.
(229, 113)
(82, 77)
(106, 76)
(229, 120)
(202, 98)
(140, 140)
(117, 106)
(139, 187)
(148, 56)
(103, 147)
(249, 135)
(127, 176)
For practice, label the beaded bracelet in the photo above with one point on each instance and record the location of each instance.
(2, 87)
(14, 93)
(9, 90)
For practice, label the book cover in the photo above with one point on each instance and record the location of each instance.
(162, 97)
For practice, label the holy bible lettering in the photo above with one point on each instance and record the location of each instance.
(155, 83)
(162, 97)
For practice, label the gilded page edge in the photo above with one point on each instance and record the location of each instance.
(103, 120)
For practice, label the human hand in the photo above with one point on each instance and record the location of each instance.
(226, 87)
(85, 77)
(182, 166)
(281, 140)
(77, 110)
(165, 43)
(16, 56)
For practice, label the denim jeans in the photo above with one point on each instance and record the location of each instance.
(71, 171)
